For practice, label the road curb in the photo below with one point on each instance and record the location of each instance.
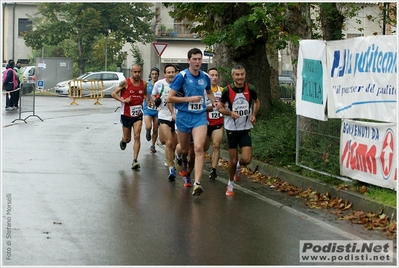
(359, 201)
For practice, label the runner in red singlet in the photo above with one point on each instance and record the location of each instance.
(131, 93)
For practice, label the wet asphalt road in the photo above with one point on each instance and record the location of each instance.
(69, 197)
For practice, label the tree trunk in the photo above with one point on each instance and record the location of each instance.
(299, 23)
(257, 69)
(82, 62)
(331, 21)
(222, 63)
(252, 56)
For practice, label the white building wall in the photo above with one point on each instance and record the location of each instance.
(13, 45)
(370, 21)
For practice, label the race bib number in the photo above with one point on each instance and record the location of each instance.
(136, 110)
(196, 106)
(214, 114)
(241, 109)
(152, 106)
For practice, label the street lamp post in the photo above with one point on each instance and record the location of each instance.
(106, 46)
(106, 50)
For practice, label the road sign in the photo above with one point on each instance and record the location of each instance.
(40, 84)
(208, 53)
(41, 65)
(160, 48)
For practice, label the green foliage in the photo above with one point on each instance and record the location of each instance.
(114, 54)
(87, 24)
(235, 24)
(275, 135)
(137, 56)
(382, 195)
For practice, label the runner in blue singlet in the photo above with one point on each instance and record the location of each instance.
(187, 94)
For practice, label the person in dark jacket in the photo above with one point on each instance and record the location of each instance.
(12, 96)
(20, 75)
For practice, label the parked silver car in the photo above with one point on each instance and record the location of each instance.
(110, 79)
(62, 87)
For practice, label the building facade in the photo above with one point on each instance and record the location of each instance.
(174, 34)
(15, 21)
(177, 38)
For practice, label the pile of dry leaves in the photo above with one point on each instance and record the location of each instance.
(339, 207)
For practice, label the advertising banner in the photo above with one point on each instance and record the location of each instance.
(368, 152)
(311, 92)
(362, 78)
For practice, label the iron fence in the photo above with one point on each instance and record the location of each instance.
(318, 146)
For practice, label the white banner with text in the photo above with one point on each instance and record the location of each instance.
(311, 95)
(368, 152)
(362, 78)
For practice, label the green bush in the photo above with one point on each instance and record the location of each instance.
(274, 137)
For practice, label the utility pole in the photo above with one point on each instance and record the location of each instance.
(384, 18)
(106, 46)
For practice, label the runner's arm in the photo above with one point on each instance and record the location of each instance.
(116, 93)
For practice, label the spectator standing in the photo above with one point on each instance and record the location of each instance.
(216, 121)
(189, 98)
(167, 116)
(18, 70)
(10, 85)
(239, 116)
(131, 93)
(151, 112)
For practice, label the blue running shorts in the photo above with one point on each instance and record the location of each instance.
(187, 121)
(151, 112)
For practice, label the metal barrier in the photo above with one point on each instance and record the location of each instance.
(78, 86)
(287, 92)
(318, 146)
(26, 101)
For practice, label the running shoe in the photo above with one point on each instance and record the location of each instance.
(135, 165)
(122, 144)
(212, 175)
(172, 175)
(152, 149)
(187, 181)
(148, 135)
(184, 172)
(229, 190)
(237, 175)
(178, 163)
(197, 189)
